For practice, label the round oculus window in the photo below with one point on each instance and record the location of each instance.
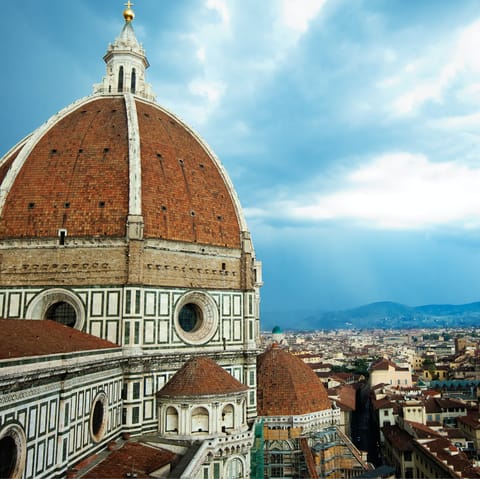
(196, 318)
(62, 312)
(98, 417)
(60, 305)
(12, 452)
(190, 318)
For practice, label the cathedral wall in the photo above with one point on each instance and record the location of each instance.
(146, 376)
(143, 317)
(182, 269)
(143, 320)
(75, 265)
(56, 419)
(99, 262)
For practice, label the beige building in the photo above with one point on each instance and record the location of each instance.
(385, 371)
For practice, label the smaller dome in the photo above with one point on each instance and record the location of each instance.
(277, 330)
(201, 376)
(287, 386)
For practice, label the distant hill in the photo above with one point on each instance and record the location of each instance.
(382, 315)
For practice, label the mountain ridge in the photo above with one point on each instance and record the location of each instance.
(381, 315)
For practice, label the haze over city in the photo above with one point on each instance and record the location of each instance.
(349, 128)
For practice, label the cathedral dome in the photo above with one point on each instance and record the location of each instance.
(201, 376)
(110, 157)
(287, 386)
(117, 159)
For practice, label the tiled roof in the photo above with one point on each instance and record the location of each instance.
(346, 395)
(421, 431)
(134, 458)
(437, 405)
(444, 453)
(23, 338)
(471, 420)
(398, 438)
(455, 433)
(385, 364)
(201, 376)
(77, 177)
(385, 403)
(287, 386)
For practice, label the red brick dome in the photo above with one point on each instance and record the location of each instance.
(286, 386)
(111, 157)
(201, 376)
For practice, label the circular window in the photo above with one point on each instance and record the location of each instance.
(98, 417)
(196, 318)
(8, 456)
(12, 452)
(190, 317)
(63, 313)
(60, 305)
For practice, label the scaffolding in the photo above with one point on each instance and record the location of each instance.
(287, 453)
(257, 452)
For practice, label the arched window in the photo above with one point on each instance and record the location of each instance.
(12, 451)
(235, 469)
(171, 420)
(120, 80)
(8, 456)
(199, 420)
(228, 421)
(99, 417)
(134, 81)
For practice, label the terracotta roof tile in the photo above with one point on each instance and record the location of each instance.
(81, 161)
(77, 177)
(185, 197)
(443, 452)
(399, 438)
(287, 386)
(24, 338)
(422, 431)
(201, 376)
(136, 458)
(385, 364)
(471, 419)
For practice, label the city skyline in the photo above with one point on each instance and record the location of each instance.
(349, 128)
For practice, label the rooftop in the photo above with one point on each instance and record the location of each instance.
(24, 338)
(201, 376)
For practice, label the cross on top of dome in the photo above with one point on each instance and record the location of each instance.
(128, 13)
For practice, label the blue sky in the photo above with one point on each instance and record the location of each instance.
(350, 128)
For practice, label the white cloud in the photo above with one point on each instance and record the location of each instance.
(201, 53)
(212, 91)
(220, 6)
(428, 78)
(394, 191)
(297, 14)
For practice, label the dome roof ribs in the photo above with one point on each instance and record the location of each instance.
(139, 151)
(135, 219)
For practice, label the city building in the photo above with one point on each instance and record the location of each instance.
(385, 371)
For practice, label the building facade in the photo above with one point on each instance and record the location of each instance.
(119, 222)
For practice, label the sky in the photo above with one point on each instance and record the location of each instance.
(350, 128)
